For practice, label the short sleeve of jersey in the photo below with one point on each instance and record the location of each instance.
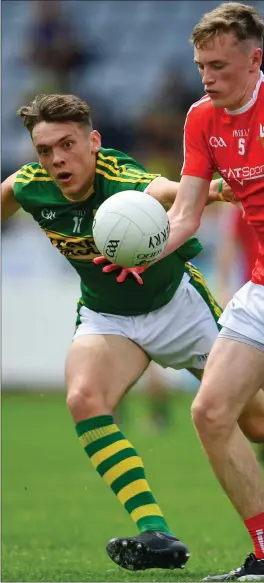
(197, 159)
(29, 176)
(116, 174)
(21, 182)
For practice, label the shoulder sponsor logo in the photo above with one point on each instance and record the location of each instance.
(217, 142)
(260, 138)
(48, 214)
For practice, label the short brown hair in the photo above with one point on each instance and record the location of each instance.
(55, 107)
(242, 20)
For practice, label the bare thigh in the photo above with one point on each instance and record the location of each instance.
(233, 375)
(251, 420)
(99, 370)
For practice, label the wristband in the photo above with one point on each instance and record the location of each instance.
(220, 190)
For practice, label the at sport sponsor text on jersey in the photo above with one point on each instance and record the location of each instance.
(243, 173)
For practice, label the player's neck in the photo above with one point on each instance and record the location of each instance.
(80, 196)
(84, 193)
(247, 95)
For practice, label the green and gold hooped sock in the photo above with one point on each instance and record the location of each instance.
(116, 460)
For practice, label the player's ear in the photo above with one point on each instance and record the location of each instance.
(256, 58)
(95, 141)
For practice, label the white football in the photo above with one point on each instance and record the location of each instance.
(131, 228)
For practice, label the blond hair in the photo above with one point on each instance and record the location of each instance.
(242, 20)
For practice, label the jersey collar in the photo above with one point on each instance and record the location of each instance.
(84, 197)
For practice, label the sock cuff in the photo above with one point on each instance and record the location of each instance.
(255, 521)
(93, 423)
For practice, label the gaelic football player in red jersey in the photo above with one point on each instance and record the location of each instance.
(224, 132)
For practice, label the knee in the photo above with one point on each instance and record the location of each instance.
(84, 402)
(211, 419)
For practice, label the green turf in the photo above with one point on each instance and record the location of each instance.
(58, 514)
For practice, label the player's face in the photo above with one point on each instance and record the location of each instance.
(67, 151)
(229, 70)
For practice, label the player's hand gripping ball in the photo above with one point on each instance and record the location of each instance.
(131, 228)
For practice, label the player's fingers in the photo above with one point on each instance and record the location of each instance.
(142, 269)
(99, 260)
(228, 194)
(122, 276)
(111, 267)
(137, 277)
(124, 273)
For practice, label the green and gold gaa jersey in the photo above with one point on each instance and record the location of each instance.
(68, 225)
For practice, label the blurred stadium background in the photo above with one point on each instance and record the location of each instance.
(132, 62)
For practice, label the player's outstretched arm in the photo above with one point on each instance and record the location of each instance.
(165, 191)
(9, 205)
(186, 211)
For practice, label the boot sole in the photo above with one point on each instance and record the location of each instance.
(137, 556)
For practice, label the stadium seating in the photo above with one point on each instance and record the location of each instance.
(137, 40)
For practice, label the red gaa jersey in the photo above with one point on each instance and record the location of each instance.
(231, 143)
(245, 235)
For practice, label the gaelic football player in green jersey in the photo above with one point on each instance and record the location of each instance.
(171, 319)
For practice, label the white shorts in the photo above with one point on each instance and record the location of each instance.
(244, 314)
(178, 335)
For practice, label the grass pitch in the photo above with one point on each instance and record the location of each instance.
(58, 514)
